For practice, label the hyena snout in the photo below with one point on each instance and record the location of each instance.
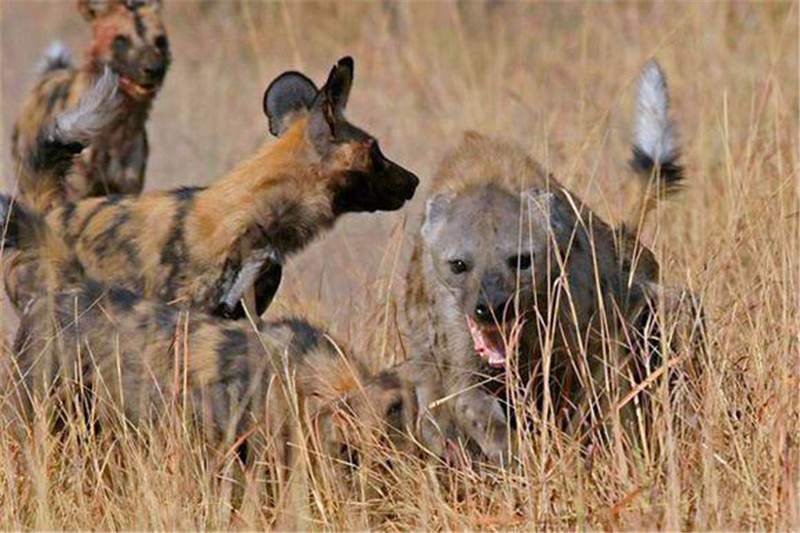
(495, 302)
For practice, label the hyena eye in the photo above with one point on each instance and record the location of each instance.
(458, 266)
(121, 43)
(524, 262)
(162, 43)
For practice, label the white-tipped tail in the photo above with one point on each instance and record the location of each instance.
(56, 57)
(655, 133)
(96, 110)
(655, 144)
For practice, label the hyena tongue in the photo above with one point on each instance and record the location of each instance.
(488, 343)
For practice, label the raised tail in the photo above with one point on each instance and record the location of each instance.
(56, 57)
(655, 145)
(58, 141)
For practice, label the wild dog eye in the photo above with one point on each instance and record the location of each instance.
(458, 266)
(121, 43)
(523, 261)
(162, 43)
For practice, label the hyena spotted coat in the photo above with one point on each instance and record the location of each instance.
(205, 247)
(128, 36)
(511, 272)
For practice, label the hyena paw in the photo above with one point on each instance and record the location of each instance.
(482, 418)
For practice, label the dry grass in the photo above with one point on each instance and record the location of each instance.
(559, 79)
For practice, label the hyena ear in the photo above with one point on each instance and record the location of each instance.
(548, 207)
(337, 89)
(436, 210)
(289, 95)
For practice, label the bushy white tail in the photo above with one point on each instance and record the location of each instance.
(56, 57)
(96, 110)
(655, 143)
(655, 147)
(47, 160)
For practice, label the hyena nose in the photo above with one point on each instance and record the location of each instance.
(489, 314)
(483, 313)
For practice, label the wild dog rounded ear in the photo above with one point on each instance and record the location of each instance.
(436, 210)
(287, 96)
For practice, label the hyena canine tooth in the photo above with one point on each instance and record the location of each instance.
(512, 275)
(205, 247)
(129, 38)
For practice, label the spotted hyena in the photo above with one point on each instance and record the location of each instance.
(513, 273)
(206, 247)
(128, 36)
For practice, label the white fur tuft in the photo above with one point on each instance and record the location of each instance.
(655, 133)
(56, 57)
(97, 108)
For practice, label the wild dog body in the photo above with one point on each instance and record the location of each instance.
(130, 39)
(511, 272)
(205, 247)
(130, 360)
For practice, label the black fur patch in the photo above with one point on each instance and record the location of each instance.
(232, 347)
(305, 337)
(669, 173)
(109, 238)
(108, 202)
(123, 299)
(174, 252)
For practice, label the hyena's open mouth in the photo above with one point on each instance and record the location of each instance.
(490, 343)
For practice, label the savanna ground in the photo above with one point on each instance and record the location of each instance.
(559, 79)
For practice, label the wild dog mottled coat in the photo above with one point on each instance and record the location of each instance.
(128, 36)
(205, 247)
(129, 360)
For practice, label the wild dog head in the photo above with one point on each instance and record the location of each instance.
(129, 37)
(492, 250)
(372, 420)
(368, 181)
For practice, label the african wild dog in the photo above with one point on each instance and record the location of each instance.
(205, 247)
(128, 36)
(512, 272)
(86, 349)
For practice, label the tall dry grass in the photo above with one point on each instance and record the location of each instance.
(557, 78)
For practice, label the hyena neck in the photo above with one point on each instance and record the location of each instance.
(279, 198)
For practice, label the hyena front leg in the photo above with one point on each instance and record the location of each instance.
(481, 417)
